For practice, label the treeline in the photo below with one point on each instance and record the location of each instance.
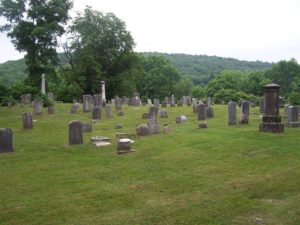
(100, 48)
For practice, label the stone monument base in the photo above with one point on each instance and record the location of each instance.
(292, 124)
(271, 127)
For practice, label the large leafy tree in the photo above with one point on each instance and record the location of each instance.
(159, 78)
(33, 26)
(102, 49)
(284, 73)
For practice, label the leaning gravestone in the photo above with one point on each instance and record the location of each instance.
(201, 112)
(75, 133)
(87, 103)
(27, 120)
(245, 112)
(96, 113)
(38, 107)
(6, 140)
(232, 113)
(293, 117)
(271, 121)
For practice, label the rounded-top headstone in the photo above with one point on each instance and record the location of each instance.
(75, 133)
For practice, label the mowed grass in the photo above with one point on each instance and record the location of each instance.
(220, 175)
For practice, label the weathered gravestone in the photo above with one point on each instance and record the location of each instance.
(75, 133)
(75, 107)
(87, 103)
(87, 127)
(96, 113)
(51, 109)
(245, 112)
(6, 140)
(180, 119)
(124, 146)
(232, 113)
(149, 101)
(135, 100)
(108, 110)
(50, 96)
(145, 116)
(172, 101)
(153, 124)
(195, 110)
(97, 100)
(27, 120)
(38, 106)
(118, 103)
(209, 112)
(179, 103)
(163, 114)
(156, 103)
(271, 121)
(201, 112)
(293, 117)
(43, 85)
(262, 105)
(164, 104)
(25, 99)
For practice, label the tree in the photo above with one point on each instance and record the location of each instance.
(159, 78)
(33, 26)
(102, 49)
(183, 88)
(283, 73)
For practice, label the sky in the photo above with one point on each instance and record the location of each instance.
(265, 30)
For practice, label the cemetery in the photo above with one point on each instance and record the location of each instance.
(163, 168)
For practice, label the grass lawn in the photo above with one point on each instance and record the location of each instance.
(220, 175)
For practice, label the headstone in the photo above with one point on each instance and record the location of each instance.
(27, 120)
(180, 119)
(51, 96)
(153, 111)
(232, 113)
(96, 113)
(124, 146)
(142, 130)
(172, 101)
(154, 127)
(87, 103)
(87, 127)
(97, 101)
(6, 140)
(38, 107)
(262, 105)
(179, 103)
(209, 102)
(164, 104)
(163, 114)
(209, 112)
(25, 99)
(201, 112)
(149, 101)
(108, 110)
(75, 133)
(286, 108)
(43, 85)
(136, 101)
(167, 99)
(195, 110)
(252, 103)
(271, 121)
(118, 102)
(293, 117)
(245, 112)
(156, 103)
(75, 107)
(51, 109)
(103, 94)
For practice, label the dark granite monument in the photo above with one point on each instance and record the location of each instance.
(6, 140)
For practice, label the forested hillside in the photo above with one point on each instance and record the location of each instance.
(200, 68)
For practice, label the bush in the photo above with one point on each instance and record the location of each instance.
(294, 98)
(228, 95)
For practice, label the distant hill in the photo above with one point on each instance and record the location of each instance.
(200, 68)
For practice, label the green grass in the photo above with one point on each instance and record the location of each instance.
(220, 175)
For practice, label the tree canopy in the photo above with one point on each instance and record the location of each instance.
(33, 26)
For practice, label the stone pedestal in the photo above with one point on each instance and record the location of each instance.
(27, 120)
(271, 121)
(6, 140)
